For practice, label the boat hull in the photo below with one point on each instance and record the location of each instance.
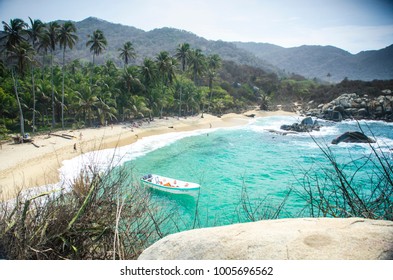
(169, 185)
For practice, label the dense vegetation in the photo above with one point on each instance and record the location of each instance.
(38, 91)
(104, 218)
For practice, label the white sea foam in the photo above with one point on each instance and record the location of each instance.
(274, 124)
(102, 160)
(106, 159)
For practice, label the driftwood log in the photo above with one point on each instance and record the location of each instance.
(66, 136)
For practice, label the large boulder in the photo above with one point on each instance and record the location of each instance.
(351, 105)
(307, 121)
(284, 239)
(353, 137)
(306, 125)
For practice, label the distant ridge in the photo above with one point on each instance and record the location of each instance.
(309, 61)
(319, 61)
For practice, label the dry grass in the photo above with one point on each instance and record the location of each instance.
(336, 190)
(103, 217)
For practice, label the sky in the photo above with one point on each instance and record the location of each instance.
(352, 25)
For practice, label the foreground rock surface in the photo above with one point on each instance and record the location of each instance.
(298, 239)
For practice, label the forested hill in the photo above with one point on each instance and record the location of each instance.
(323, 62)
(149, 44)
(326, 62)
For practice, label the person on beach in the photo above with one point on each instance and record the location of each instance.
(75, 147)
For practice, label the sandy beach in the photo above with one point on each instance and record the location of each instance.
(26, 165)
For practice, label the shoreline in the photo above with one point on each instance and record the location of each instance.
(28, 166)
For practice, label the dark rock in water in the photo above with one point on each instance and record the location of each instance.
(353, 137)
(306, 125)
(307, 121)
(337, 116)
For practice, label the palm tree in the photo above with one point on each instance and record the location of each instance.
(97, 43)
(148, 73)
(43, 47)
(88, 102)
(22, 54)
(14, 32)
(197, 64)
(213, 64)
(186, 87)
(51, 32)
(16, 48)
(129, 82)
(34, 32)
(166, 66)
(138, 106)
(106, 105)
(66, 38)
(182, 54)
(127, 52)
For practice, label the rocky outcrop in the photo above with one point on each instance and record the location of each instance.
(351, 105)
(353, 137)
(306, 125)
(284, 239)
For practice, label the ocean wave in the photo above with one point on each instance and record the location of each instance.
(103, 160)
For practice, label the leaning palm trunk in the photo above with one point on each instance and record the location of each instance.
(34, 101)
(53, 91)
(62, 94)
(22, 125)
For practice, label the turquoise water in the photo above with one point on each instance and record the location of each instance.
(245, 172)
(247, 167)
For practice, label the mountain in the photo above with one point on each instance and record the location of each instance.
(320, 61)
(149, 44)
(323, 62)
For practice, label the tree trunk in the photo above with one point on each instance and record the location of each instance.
(22, 122)
(180, 102)
(92, 70)
(34, 101)
(53, 91)
(62, 94)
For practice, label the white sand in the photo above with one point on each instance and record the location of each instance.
(24, 166)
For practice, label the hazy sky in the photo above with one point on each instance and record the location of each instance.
(353, 25)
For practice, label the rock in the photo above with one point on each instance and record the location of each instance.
(283, 239)
(349, 105)
(306, 125)
(362, 112)
(352, 137)
(336, 116)
(339, 108)
(307, 121)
